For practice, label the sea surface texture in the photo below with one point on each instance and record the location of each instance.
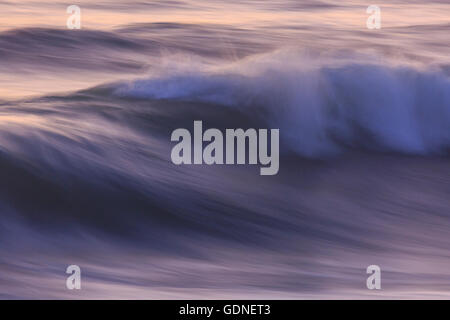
(86, 176)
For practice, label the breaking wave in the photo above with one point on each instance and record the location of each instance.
(321, 108)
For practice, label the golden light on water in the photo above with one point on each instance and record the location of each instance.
(106, 15)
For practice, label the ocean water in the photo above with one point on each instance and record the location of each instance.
(86, 175)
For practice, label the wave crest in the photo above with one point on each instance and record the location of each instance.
(321, 105)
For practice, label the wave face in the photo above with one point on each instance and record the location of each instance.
(86, 176)
(88, 180)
